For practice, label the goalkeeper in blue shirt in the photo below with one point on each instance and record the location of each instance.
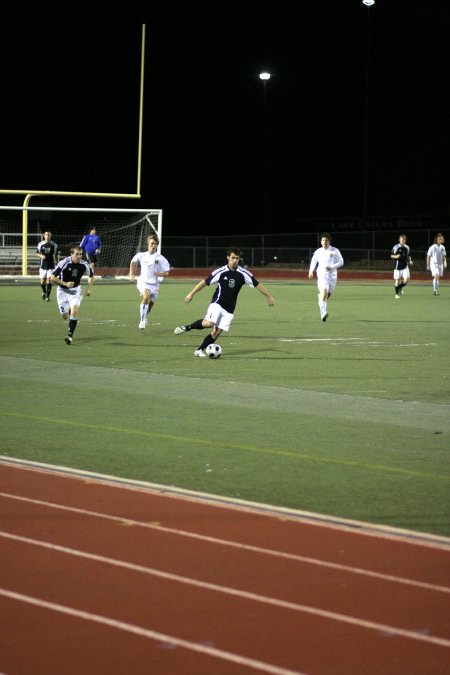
(92, 245)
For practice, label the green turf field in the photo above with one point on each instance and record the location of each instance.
(348, 418)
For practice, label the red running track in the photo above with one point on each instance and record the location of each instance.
(100, 576)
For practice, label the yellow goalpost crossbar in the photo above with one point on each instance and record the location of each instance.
(32, 193)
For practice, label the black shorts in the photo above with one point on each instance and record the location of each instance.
(91, 257)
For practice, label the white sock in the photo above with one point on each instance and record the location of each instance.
(144, 311)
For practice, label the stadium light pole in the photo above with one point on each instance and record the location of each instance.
(265, 77)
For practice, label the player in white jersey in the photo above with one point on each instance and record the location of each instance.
(154, 267)
(327, 260)
(437, 260)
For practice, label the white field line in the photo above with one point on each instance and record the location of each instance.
(359, 342)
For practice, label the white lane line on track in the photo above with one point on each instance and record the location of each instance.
(151, 634)
(245, 595)
(237, 545)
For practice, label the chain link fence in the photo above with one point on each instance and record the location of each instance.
(369, 250)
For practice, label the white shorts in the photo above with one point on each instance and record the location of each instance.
(436, 270)
(45, 274)
(67, 297)
(153, 289)
(402, 274)
(327, 281)
(219, 316)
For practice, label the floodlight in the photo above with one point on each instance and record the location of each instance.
(264, 76)
(368, 3)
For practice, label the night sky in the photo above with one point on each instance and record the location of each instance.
(354, 120)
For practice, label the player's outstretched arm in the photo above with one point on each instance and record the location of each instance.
(262, 289)
(201, 284)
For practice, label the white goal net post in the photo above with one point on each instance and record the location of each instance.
(123, 232)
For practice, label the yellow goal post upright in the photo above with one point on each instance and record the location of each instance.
(32, 193)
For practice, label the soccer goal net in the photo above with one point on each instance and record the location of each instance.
(123, 232)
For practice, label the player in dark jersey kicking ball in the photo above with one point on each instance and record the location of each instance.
(220, 313)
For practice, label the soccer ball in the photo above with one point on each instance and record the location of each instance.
(213, 351)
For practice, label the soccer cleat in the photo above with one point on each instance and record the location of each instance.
(142, 325)
(44, 296)
(436, 293)
(200, 353)
(179, 329)
(325, 316)
(397, 296)
(48, 299)
(68, 340)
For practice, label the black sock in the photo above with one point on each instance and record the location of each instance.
(49, 290)
(207, 341)
(72, 326)
(44, 287)
(197, 325)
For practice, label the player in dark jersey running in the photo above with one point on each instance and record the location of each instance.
(67, 276)
(401, 254)
(230, 278)
(47, 251)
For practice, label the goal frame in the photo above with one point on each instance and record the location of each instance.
(60, 209)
